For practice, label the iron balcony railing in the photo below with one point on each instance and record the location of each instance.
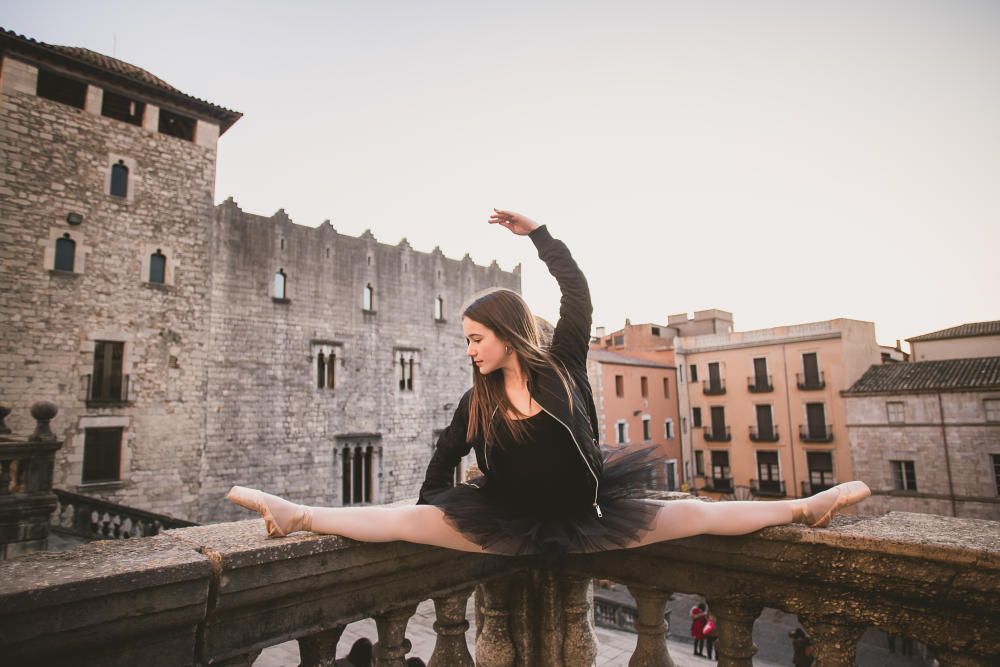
(768, 487)
(763, 435)
(716, 388)
(712, 435)
(810, 382)
(816, 432)
(760, 384)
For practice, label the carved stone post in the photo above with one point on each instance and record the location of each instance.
(949, 658)
(392, 646)
(579, 638)
(320, 649)
(450, 626)
(836, 643)
(493, 645)
(735, 647)
(651, 646)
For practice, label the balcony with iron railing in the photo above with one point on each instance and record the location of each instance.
(718, 485)
(816, 432)
(760, 384)
(763, 435)
(716, 435)
(768, 487)
(713, 387)
(219, 594)
(810, 382)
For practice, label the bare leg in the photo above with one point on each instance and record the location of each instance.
(685, 518)
(421, 524)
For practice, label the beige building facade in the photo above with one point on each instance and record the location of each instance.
(966, 341)
(925, 437)
(765, 410)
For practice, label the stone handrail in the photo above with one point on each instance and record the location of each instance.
(219, 594)
(96, 519)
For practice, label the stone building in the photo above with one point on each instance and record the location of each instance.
(190, 347)
(925, 436)
(966, 341)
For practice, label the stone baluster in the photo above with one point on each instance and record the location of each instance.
(524, 617)
(392, 646)
(651, 646)
(494, 647)
(579, 638)
(949, 658)
(5, 477)
(4, 411)
(735, 616)
(836, 642)
(320, 649)
(450, 626)
(43, 413)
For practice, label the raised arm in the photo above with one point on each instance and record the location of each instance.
(571, 339)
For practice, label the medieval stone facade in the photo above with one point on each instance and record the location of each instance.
(191, 347)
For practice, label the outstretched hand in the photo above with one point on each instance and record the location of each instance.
(515, 222)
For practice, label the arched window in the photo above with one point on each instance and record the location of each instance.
(321, 370)
(157, 267)
(119, 179)
(279, 284)
(439, 308)
(65, 253)
(369, 298)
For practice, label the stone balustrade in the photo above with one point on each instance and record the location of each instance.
(219, 594)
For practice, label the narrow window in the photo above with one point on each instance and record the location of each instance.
(122, 108)
(619, 386)
(119, 179)
(439, 309)
(57, 88)
(357, 473)
(619, 340)
(645, 429)
(696, 417)
(106, 379)
(668, 429)
(894, 412)
(101, 455)
(331, 370)
(320, 370)
(279, 284)
(694, 372)
(722, 478)
(904, 475)
(644, 386)
(369, 298)
(666, 387)
(406, 365)
(996, 471)
(621, 437)
(699, 462)
(65, 253)
(655, 331)
(157, 267)
(176, 125)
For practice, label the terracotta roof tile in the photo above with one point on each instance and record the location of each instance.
(944, 375)
(962, 331)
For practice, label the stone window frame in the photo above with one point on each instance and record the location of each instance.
(991, 410)
(667, 464)
(284, 298)
(647, 431)
(699, 463)
(895, 412)
(619, 386)
(696, 417)
(756, 462)
(326, 348)
(134, 179)
(87, 349)
(78, 440)
(621, 432)
(169, 268)
(668, 428)
(372, 304)
(49, 251)
(353, 444)
(900, 475)
(410, 358)
(644, 386)
(439, 309)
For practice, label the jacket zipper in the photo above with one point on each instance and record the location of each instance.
(597, 508)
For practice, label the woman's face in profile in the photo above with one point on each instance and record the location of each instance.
(484, 348)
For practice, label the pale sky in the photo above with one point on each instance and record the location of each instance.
(786, 161)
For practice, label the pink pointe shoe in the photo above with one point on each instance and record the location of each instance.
(281, 516)
(840, 496)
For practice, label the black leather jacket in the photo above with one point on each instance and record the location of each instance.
(569, 346)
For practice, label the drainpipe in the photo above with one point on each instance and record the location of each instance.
(791, 433)
(947, 457)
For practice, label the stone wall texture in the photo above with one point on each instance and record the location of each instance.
(222, 376)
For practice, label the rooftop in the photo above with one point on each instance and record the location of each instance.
(968, 330)
(942, 375)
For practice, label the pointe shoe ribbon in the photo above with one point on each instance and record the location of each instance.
(848, 494)
(281, 517)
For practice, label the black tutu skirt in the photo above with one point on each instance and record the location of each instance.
(481, 514)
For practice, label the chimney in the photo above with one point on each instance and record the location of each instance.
(600, 333)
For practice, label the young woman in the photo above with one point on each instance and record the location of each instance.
(547, 488)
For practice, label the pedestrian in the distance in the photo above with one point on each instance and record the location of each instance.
(699, 618)
(711, 632)
(803, 651)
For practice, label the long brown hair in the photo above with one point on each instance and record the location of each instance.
(507, 315)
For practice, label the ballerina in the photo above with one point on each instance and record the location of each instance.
(546, 486)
